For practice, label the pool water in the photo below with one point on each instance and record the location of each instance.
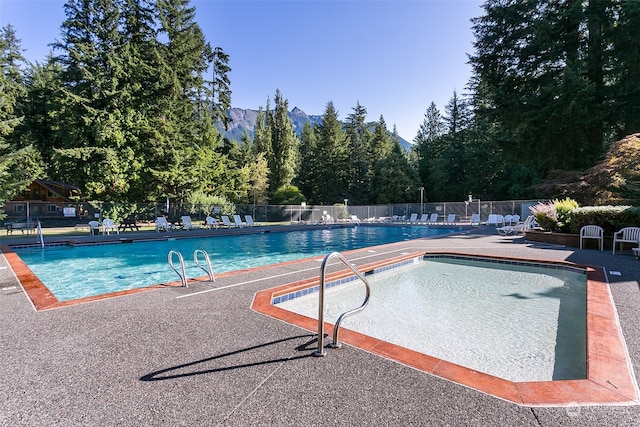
(72, 272)
(517, 322)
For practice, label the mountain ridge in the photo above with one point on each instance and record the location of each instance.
(244, 119)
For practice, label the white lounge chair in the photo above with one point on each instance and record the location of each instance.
(225, 221)
(186, 222)
(413, 218)
(108, 226)
(424, 219)
(433, 219)
(94, 227)
(495, 220)
(592, 232)
(354, 218)
(475, 219)
(626, 235)
(248, 219)
(518, 228)
(210, 222)
(238, 221)
(162, 224)
(451, 219)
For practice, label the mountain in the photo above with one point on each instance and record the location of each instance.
(245, 119)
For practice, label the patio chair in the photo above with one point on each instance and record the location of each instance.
(186, 222)
(451, 219)
(475, 219)
(626, 235)
(238, 221)
(592, 232)
(108, 226)
(210, 222)
(94, 227)
(413, 218)
(162, 224)
(248, 219)
(433, 219)
(225, 221)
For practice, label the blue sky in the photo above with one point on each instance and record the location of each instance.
(393, 57)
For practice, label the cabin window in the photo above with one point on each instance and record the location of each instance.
(18, 208)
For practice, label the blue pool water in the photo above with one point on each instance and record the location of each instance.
(72, 272)
(517, 321)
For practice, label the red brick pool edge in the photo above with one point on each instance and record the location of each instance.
(609, 379)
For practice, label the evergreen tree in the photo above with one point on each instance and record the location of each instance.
(360, 156)
(428, 147)
(333, 159)
(307, 178)
(395, 180)
(284, 142)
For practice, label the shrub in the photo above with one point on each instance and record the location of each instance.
(288, 195)
(610, 218)
(555, 215)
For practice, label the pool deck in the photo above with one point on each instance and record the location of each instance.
(201, 356)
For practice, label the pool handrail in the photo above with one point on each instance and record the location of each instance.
(320, 352)
(183, 276)
(209, 271)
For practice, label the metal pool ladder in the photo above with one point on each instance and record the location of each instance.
(335, 344)
(182, 274)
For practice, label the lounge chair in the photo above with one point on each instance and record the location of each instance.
(238, 221)
(451, 219)
(424, 219)
(210, 222)
(475, 219)
(108, 226)
(519, 228)
(433, 219)
(626, 235)
(354, 218)
(225, 221)
(413, 218)
(162, 224)
(592, 232)
(94, 227)
(186, 222)
(248, 219)
(495, 220)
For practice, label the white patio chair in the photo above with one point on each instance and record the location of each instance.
(592, 232)
(626, 235)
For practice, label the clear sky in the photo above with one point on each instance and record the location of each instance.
(393, 57)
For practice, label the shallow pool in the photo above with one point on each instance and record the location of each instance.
(72, 272)
(517, 321)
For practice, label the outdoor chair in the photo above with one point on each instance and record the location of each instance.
(592, 232)
(626, 235)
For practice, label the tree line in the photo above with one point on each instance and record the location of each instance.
(126, 107)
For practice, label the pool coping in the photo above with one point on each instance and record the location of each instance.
(609, 380)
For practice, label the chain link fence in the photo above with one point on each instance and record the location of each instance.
(61, 214)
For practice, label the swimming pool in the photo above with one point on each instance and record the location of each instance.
(520, 322)
(79, 271)
(609, 378)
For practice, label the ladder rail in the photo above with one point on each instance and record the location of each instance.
(336, 343)
(183, 276)
(208, 269)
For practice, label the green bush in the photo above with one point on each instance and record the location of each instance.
(555, 215)
(610, 218)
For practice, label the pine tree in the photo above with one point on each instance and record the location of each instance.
(333, 158)
(360, 156)
(284, 142)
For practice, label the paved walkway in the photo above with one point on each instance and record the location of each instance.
(155, 359)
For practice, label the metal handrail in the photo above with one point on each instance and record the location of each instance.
(183, 276)
(208, 261)
(335, 344)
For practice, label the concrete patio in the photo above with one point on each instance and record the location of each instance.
(155, 359)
